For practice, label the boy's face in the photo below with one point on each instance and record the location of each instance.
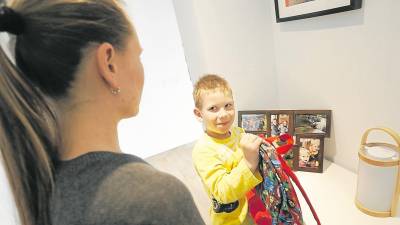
(304, 155)
(217, 112)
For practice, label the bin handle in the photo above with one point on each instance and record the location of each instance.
(386, 130)
(396, 138)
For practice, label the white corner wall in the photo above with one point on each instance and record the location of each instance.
(231, 38)
(166, 119)
(347, 62)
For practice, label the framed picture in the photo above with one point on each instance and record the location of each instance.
(287, 10)
(253, 121)
(280, 122)
(309, 153)
(312, 122)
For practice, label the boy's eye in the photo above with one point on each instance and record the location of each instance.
(229, 105)
(213, 109)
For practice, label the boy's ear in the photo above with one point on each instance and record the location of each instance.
(198, 115)
(106, 65)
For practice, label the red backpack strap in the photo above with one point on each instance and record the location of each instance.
(294, 178)
(282, 150)
(257, 209)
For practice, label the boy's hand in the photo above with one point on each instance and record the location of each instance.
(250, 145)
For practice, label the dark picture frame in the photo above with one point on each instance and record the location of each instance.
(280, 122)
(309, 153)
(312, 122)
(288, 10)
(254, 121)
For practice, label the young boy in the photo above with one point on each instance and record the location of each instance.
(225, 158)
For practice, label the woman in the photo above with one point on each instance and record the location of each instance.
(77, 74)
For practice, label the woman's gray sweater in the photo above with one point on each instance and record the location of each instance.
(105, 188)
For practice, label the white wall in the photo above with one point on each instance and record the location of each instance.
(165, 119)
(347, 62)
(191, 37)
(8, 209)
(232, 38)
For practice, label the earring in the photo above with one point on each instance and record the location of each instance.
(116, 91)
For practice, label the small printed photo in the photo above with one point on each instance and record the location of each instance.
(312, 123)
(309, 153)
(280, 124)
(253, 122)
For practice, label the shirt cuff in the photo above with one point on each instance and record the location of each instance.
(251, 178)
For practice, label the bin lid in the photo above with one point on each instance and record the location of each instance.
(381, 153)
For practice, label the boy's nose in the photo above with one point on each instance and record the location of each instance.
(222, 113)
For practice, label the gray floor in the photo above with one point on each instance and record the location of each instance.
(178, 162)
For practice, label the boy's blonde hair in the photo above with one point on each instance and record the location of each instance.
(209, 82)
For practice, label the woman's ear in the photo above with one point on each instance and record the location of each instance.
(106, 65)
(198, 115)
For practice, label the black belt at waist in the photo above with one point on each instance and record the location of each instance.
(220, 207)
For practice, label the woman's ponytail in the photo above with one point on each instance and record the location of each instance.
(51, 38)
(28, 140)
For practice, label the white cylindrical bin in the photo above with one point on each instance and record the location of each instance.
(378, 185)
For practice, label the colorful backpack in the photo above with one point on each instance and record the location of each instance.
(274, 201)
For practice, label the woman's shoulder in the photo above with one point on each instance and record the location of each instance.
(103, 168)
(138, 193)
(124, 188)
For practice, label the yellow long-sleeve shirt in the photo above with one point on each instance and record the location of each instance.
(225, 175)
